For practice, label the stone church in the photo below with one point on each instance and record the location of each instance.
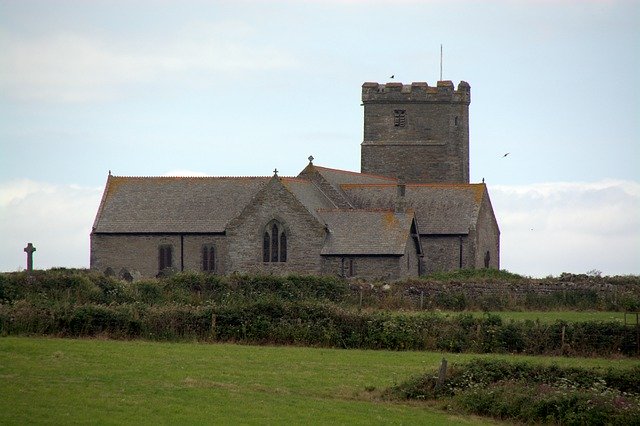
(410, 211)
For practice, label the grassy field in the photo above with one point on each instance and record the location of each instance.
(553, 316)
(103, 381)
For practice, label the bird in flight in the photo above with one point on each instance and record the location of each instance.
(392, 75)
(506, 154)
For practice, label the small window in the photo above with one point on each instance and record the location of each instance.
(208, 258)
(164, 257)
(274, 243)
(399, 117)
(347, 267)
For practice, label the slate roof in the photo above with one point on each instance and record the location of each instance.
(366, 232)
(173, 204)
(308, 194)
(440, 208)
(339, 177)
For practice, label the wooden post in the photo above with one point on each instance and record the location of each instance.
(563, 329)
(421, 299)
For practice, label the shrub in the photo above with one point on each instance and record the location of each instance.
(528, 393)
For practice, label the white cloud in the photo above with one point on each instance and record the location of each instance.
(71, 67)
(57, 219)
(549, 228)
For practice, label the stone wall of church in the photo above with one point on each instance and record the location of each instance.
(487, 237)
(409, 263)
(305, 235)
(138, 254)
(371, 267)
(442, 252)
(193, 245)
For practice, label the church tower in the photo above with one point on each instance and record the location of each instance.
(415, 132)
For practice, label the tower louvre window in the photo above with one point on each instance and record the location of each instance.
(399, 117)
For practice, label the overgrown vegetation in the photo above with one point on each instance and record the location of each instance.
(315, 311)
(533, 394)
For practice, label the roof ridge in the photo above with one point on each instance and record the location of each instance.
(357, 173)
(296, 179)
(367, 210)
(191, 177)
(419, 185)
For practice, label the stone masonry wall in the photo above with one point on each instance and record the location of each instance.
(408, 263)
(487, 237)
(442, 253)
(138, 254)
(305, 235)
(432, 145)
(370, 267)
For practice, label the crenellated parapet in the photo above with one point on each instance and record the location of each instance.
(416, 92)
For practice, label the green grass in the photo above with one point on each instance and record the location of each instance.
(103, 381)
(553, 316)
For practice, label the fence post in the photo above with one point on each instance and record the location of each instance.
(213, 324)
(563, 329)
(421, 299)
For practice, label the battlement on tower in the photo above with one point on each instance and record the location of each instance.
(416, 92)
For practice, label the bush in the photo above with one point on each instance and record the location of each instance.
(528, 393)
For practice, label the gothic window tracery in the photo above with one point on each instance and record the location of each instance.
(274, 243)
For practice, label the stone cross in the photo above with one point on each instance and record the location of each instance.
(311, 159)
(29, 249)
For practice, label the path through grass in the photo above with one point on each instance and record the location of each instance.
(101, 381)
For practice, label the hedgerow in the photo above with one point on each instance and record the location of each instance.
(317, 324)
(304, 310)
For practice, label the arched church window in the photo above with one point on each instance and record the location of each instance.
(208, 258)
(266, 247)
(274, 243)
(283, 247)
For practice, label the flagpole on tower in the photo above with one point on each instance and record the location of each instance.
(441, 62)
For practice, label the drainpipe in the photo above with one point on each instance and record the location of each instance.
(181, 252)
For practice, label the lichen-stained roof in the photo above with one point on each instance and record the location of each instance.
(339, 177)
(308, 194)
(366, 232)
(440, 208)
(173, 204)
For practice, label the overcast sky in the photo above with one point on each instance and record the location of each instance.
(241, 87)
